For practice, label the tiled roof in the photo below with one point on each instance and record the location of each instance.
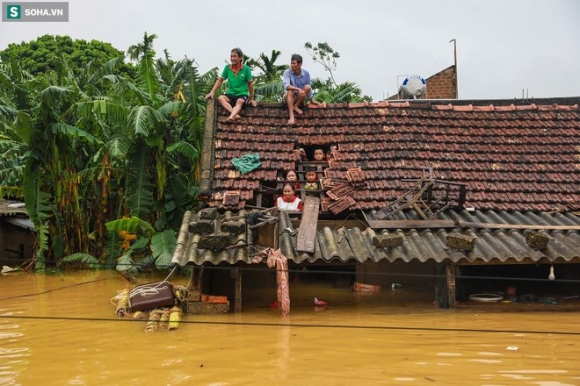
(523, 157)
(353, 244)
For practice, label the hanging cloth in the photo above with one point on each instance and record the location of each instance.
(278, 260)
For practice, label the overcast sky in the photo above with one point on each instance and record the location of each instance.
(505, 48)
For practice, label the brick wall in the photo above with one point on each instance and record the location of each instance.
(441, 85)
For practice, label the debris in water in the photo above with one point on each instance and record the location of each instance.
(320, 302)
(174, 318)
(153, 321)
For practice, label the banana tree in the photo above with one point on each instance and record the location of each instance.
(164, 129)
(268, 83)
(44, 130)
(93, 147)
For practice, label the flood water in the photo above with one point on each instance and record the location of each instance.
(61, 329)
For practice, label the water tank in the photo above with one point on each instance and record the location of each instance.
(413, 86)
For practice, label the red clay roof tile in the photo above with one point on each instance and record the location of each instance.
(511, 156)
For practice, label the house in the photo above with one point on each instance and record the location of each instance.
(450, 183)
(16, 233)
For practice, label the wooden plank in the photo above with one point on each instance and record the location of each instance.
(483, 225)
(451, 292)
(424, 224)
(238, 291)
(307, 231)
(409, 224)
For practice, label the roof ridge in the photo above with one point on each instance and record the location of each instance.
(440, 105)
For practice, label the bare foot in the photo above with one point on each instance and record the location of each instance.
(291, 121)
(229, 119)
(298, 111)
(237, 117)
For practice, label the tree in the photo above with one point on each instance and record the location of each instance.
(326, 91)
(268, 84)
(324, 55)
(269, 69)
(42, 124)
(40, 56)
(164, 126)
(329, 90)
(108, 162)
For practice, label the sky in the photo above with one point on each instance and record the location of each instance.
(505, 49)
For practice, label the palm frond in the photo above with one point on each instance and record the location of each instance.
(184, 148)
(125, 263)
(140, 189)
(7, 111)
(83, 258)
(162, 247)
(132, 225)
(39, 210)
(118, 147)
(271, 91)
(142, 118)
(169, 108)
(52, 95)
(74, 132)
(24, 127)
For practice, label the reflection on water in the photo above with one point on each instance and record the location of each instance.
(61, 330)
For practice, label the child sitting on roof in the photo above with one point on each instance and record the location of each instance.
(288, 200)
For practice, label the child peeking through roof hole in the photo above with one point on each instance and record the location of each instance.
(312, 182)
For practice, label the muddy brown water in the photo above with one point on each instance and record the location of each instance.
(61, 329)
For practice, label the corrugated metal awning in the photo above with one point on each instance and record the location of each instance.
(358, 244)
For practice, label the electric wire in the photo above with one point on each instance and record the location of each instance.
(174, 268)
(53, 289)
(315, 271)
(304, 325)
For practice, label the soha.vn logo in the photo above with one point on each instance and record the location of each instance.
(13, 11)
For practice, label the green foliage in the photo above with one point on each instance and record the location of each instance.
(39, 56)
(126, 263)
(325, 55)
(325, 91)
(270, 92)
(268, 83)
(39, 208)
(162, 246)
(93, 144)
(131, 225)
(140, 189)
(74, 132)
(330, 91)
(81, 258)
(143, 54)
(269, 70)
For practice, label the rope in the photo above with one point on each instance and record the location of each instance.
(144, 289)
